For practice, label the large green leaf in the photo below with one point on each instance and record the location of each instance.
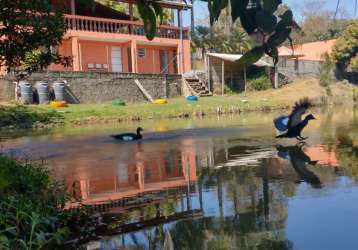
(158, 11)
(237, 8)
(216, 7)
(271, 5)
(251, 56)
(266, 21)
(287, 17)
(248, 20)
(272, 52)
(149, 19)
(281, 34)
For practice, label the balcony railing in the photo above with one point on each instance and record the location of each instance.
(94, 24)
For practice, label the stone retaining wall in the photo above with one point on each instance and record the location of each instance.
(88, 87)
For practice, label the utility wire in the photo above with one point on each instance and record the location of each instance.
(355, 8)
(337, 7)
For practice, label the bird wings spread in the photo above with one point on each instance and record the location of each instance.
(298, 110)
(281, 123)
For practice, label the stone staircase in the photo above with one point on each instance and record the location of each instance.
(197, 87)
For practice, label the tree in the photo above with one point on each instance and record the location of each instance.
(122, 7)
(200, 39)
(32, 29)
(319, 24)
(28, 26)
(260, 20)
(345, 51)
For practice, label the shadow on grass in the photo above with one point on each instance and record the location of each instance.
(23, 117)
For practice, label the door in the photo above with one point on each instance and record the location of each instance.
(164, 67)
(116, 59)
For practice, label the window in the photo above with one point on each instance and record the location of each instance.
(141, 52)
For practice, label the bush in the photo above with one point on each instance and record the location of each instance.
(22, 117)
(325, 71)
(30, 206)
(355, 95)
(32, 214)
(259, 83)
(228, 90)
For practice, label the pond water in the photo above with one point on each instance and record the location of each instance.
(213, 183)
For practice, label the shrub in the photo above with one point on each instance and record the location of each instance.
(23, 117)
(32, 214)
(325, 71)
(30, 206)
(355, 95)
(259, 83)
(228, 90)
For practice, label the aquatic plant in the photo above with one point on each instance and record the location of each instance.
(32, 214)
(30, 206)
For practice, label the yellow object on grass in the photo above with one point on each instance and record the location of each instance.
(58, 104)
(160, 101)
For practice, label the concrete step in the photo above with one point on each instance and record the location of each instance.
(192, 79)
(204, 95)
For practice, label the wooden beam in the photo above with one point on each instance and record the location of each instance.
(245, 82)
(180, 24)
(208, 72)
(222, 76)
(276, 78)
(144, 91)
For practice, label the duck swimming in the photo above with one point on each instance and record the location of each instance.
(292, 125)
(129, 136)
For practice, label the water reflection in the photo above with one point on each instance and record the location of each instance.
(299, 161)
(216, 189)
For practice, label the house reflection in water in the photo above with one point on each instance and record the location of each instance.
(173, 168)
(321, 154)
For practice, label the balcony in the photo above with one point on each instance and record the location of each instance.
(104, 25)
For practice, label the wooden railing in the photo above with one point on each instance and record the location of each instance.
(94, 24)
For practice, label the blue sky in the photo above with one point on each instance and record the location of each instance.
(200, 8)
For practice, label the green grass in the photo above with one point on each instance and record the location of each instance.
(23, 117)
(180, 107)
(176, 107)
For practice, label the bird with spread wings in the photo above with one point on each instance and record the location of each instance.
(291, 126)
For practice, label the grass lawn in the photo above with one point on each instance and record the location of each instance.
(179, 107)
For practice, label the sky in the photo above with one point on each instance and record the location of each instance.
(201, 11)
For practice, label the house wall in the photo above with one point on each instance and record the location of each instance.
(140, 41)
(64, 49)
(102, 87)
(293, 68)
(233, 77)
(95, 52)
(150, 64)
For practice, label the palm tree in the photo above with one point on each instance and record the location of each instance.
(201, 39)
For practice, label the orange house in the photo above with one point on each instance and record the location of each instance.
(304, 59)
(109, 41)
